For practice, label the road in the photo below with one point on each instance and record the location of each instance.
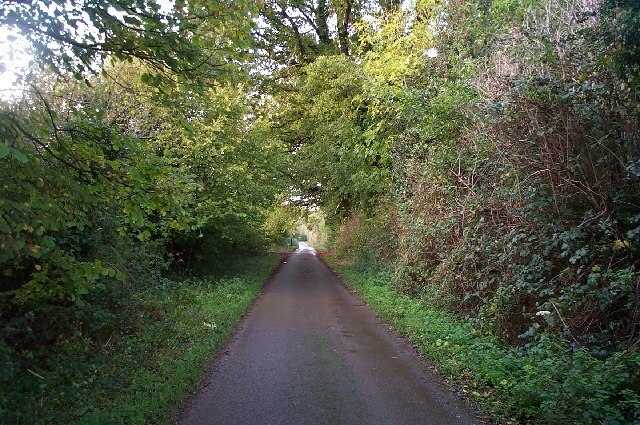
(310, 352)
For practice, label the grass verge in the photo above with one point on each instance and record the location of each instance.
(143, 371)
(550, 382)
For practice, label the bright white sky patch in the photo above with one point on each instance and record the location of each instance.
(15, 57)
(431, 53)
(14, 61)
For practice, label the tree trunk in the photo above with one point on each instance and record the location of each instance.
(390, 5)
(322, 16)
(344, 22)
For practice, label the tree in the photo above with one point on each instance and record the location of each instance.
(76, 37)
(294, 32)
(107, 155)
(323, 116)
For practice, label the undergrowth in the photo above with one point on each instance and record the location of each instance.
(147, 365)
(546, 382)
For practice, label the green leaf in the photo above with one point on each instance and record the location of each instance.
(4, 150)
(19, 156)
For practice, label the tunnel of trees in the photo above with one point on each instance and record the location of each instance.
(481, 156)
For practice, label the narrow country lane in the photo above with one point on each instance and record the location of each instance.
(310, 352)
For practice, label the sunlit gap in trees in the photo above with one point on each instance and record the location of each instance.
(15, 48)
(303, 201)
(14, 61)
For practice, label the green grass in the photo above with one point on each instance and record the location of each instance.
(144, 372)
(550, 382)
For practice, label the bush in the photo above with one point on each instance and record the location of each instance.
(132, 360)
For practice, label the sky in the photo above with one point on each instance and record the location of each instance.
(14, 56)
(13, 61)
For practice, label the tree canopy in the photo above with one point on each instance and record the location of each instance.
(486, 154)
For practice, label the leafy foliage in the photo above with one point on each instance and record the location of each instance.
(323, 117)
(514, 183)
(134, 356)
(122, 161)
(549, 382)
(481, 155)
(510, 132)
(77, 37)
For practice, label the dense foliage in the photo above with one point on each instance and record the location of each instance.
(129, 153)
(481, 157)
(512, 154)
(486, 153)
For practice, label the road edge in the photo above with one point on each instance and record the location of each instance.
(441, 380)
(179, 413)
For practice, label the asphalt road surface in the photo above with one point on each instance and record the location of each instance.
(310, 352)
